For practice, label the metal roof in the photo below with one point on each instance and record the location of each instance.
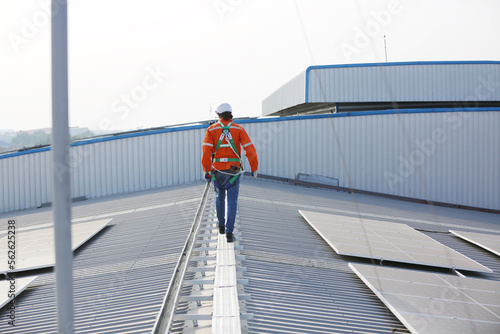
(120, 275)
(296, 281)
(299, 284)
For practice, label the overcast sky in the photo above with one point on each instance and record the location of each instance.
(149, 63)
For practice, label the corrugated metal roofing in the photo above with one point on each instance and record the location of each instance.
(297, 282)
(121, 275)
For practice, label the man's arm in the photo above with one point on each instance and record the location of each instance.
(207, 149)
(250, 151)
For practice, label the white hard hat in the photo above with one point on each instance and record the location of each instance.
(224, 107)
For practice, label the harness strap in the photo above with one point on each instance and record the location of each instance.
(234, 178)
(231, 181)
(226, 160)
(226, 133)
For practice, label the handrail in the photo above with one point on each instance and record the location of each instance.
(167, 311)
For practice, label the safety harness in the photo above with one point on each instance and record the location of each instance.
(227, 135)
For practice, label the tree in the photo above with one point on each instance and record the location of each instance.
(26, 140)
(85, 134)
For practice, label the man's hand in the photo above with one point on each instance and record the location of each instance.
(208, 177)
(254, 174)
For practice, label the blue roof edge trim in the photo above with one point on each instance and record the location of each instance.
(28, 151)
(110, 138)
(451, 62)
(140, 134)
(258, 120)
(368, 113)
(306, 98)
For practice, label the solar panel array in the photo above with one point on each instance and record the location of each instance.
(490, 242)
(435, 303)
(386, 241)
(34, 249)
(424, 302)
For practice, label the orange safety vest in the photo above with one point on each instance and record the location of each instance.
(227, 154)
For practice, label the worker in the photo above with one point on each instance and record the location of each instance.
(223, 142)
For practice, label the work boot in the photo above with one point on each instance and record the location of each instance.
(230, 237)
(222, 229)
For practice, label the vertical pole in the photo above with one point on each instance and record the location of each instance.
(61, 192)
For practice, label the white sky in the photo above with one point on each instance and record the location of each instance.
(148, 63)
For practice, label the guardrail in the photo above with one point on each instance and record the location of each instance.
(166, 315)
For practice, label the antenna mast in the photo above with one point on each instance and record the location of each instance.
(385, 47)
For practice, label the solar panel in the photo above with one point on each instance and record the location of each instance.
(386, 241)
(15, 286)
(489, 242)
(435, 303)
(35, 248)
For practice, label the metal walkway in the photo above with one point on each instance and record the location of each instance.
(206, 294)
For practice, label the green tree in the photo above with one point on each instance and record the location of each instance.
(85, 134)
(26, 140)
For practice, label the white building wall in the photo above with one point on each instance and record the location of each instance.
(389, 82)
(290, 94)
(412, 82)
(449, 157)
(104, 168)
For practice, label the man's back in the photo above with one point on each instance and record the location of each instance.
(225, 150)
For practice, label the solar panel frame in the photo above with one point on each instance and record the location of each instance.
(386, 242)
(435, 303)
(20, 285)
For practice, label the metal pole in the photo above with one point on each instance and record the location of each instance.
(61, 191)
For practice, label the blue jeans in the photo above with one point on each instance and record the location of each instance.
(232, 203)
